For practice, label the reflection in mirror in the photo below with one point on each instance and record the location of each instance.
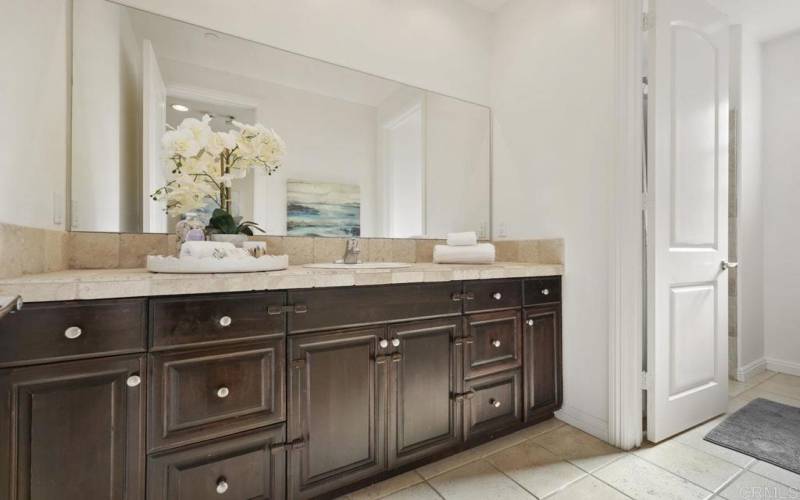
(365, 156)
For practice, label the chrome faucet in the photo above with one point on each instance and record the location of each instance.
(351, 252)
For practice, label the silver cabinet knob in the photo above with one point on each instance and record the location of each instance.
(134, 380)
(546, 291)
(225, 321)
(73, 332)
(396, 342)
(383, 343)
(529, 322)
(497, 295)
(495, 403)
(223, 392)
(222, 485)
(496, 343)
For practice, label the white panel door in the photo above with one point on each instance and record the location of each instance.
(687, 211)
(154, 122)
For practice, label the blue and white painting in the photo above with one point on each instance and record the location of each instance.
(322, 209)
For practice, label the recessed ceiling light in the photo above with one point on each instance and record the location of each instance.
(180, 107)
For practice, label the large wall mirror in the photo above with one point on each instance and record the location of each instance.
(365, 156)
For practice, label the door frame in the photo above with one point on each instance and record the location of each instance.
(626, 270)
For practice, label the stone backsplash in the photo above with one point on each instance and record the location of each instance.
(29, 250)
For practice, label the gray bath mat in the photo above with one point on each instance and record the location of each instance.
(763, 429)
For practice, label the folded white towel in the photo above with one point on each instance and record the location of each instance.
(205, 249)
(462, 239)
(472, 254)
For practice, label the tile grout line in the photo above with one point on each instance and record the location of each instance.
(659, 467)
(512, 479)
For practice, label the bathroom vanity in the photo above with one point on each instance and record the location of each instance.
(282, 393)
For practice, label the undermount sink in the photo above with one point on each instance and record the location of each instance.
(360, 265)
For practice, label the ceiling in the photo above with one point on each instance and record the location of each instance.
(488, 5)
(767, 18)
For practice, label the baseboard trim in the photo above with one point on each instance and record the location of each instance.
(583, 421)
(750, 370)
(782, 366)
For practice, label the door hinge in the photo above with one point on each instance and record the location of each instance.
(291, 445)
(457, 297)
(645, 381)
(461, 396)
(647, 21)
(296, 308)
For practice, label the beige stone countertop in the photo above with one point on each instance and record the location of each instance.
(118, 283)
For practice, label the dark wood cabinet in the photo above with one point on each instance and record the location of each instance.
(425, 379)
(542, 371)
(73, 431)
(249, 466)
(337, 409)
(298, 394)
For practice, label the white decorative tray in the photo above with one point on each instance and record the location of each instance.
(161, 264)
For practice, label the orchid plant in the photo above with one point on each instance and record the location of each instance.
(203, 163)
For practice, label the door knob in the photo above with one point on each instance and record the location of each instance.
(529, 322)
(223, 392)
(725, 265)
(546, 291)
(496, 343)
(222, 485)
(497, 295)
(134, 380)
(383, 343)
(396, 342)
(225, 321)
(495, 403)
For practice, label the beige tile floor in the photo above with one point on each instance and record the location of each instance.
(556, 461)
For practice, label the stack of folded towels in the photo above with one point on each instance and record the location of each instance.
(463, 248)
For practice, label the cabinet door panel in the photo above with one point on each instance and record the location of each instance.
(337, 407)
(494, 343)
(73, 431)
(424, 417)
(243, 467)
(542, 360)
(493, 404)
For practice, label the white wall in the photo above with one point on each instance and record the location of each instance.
(781, 134)
(553, 105)
(746, 97)
(34, 51)
(440, 45)
(106, 119)
(328, 139)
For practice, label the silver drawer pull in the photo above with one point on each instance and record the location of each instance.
(225, 321)
(134, 380)
(495, 403)
(73, 332)
(546, 291)
(396, 342)
(496, 343)
(222, 485)
(529, 322)
(497, 295)
(223, 392)
(383, 343)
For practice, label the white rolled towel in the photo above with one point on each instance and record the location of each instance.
(462, 239)
(482, 253)
(205, 249)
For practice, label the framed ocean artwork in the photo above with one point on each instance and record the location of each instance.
(323, 209)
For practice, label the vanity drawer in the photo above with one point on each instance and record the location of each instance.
(50, 331)
(357, 306)
(542, 290)
(176, 321)
(493, 404)
(207, 393)
(492, 295)
(242, 467)
(494, 343)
